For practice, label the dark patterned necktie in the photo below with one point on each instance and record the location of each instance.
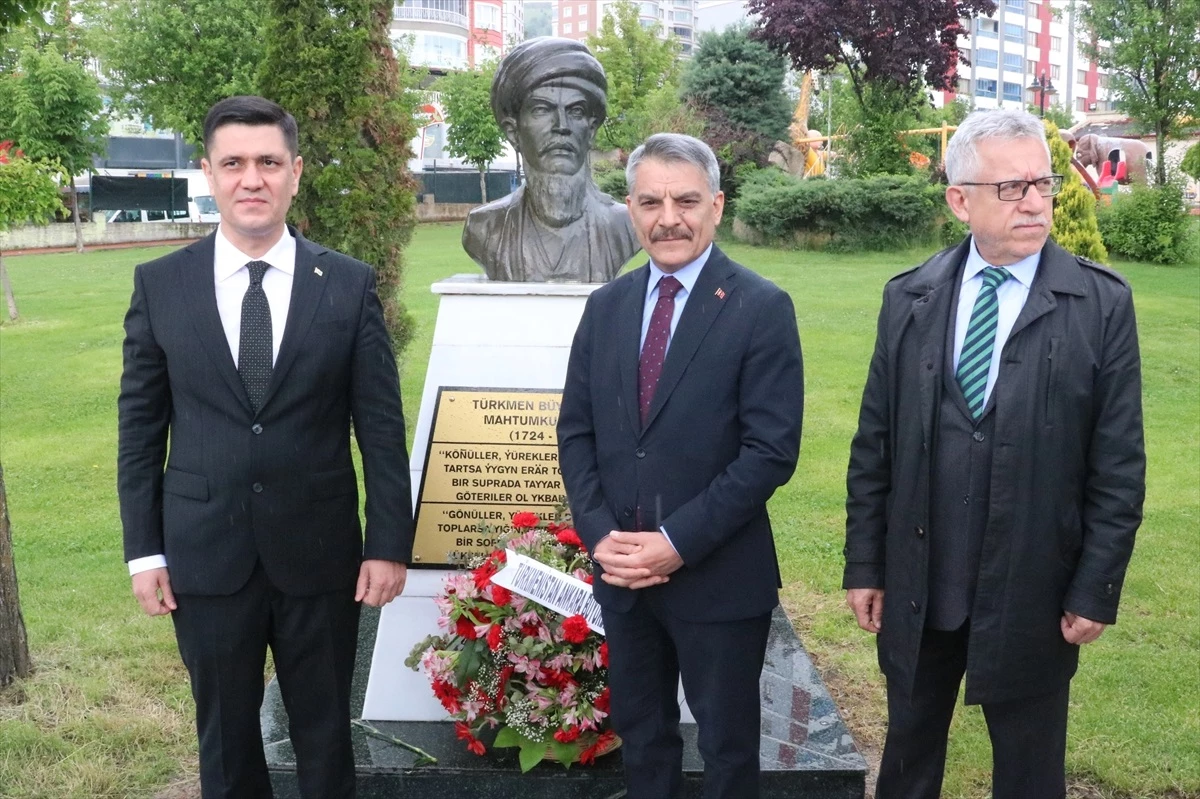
(254, 347)
(975, 360)
(654, 351)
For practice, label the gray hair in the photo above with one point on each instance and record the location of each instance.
(1005, 124)
(676, 148)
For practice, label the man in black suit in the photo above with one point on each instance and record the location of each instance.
(248, 356)
(680, 417)
(997, 476)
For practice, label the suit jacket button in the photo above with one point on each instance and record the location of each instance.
(920, 531)
(1108, 589)
(640, 453)
(256, 488)
(977, 435)
(256, 429)
(627, 511)
(916, 606)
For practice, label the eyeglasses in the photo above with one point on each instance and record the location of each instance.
(1014, 190)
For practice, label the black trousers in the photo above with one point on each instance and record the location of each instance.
(223, 641)
(1029, 736)
(720, 664)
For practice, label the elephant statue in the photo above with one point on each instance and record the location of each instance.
(1130, 160)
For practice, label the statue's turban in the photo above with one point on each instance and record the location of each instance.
(543, 60)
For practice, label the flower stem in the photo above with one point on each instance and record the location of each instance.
(423, 757)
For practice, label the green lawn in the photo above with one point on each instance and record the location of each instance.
(108, 712)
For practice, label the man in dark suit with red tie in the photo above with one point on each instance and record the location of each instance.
(248, 356)
(680, 417)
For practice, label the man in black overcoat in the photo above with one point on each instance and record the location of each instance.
(997, 475)
(249, 356)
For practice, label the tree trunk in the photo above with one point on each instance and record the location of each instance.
(14, 646)
(75, 217)
(483, 186)
(8, 292)
(1160, 146)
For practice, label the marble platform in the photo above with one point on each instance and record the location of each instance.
(806, 749)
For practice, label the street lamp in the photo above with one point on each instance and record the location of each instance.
(1043, 86)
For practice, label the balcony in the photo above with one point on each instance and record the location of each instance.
(405, 14)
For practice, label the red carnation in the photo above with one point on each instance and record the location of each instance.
(494, 636)
(569, 536)
(525, 520)
(567, 734)
(530, 629)
(557, 679)
(603, 701)
(500, 595)
(505, 674)
(604, 654)
(587, 578)
(463, 732)
(588, 756)
(476, 747)
(447, 694)
(465, 627)
(575, 629)
(482, 575)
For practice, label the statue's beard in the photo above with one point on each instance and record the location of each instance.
(557, 200)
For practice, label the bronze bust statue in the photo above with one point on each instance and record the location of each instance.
(549, 96)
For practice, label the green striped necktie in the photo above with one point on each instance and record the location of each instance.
(976, 357)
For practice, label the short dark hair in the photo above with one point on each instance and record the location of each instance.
(248, 109)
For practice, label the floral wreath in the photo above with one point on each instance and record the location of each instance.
(504, 663)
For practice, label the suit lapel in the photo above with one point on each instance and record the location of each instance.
(713, 290)
(307, 288)
(629, 343)
(1057, 272)
(206, 319)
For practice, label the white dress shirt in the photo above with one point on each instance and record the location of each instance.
(1010, 296)
(231, 279)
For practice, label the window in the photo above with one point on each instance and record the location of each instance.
(682, 33)
(964, 55)
(1056, 44)
(681, 16)
(964, 86)
(1031, 67)
(1081, 76)
(1015, 5)
(583, 25)
(1081, 104)
(1012, 62)
(1031, 38)
(1034, 9)
(566, 27)
(987, 28)
(986, 58)
(985, 88)
(1012, 33)
(1012, 91)
(583, 9)
(1103, 80)
(566, 12)
(487, 17)
(1055, 72)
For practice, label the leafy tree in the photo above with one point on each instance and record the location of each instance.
(1190, 165)
(739, 150)
(637, 63)
(890, 51)
(333, 67)
(56, 115)
(1152, 52)
(1074, 227)
(167, 63)
(1055, 112)
(28, 194)
(14, 12)
(743, 78)
(473, 133)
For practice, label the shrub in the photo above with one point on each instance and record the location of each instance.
(612, 183)
(1074, 228)
(1150, 224)
(1190, 165)
(878, 213)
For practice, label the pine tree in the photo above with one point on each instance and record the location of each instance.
(1074, 227)
(332, 65)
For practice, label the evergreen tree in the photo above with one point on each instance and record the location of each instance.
(1074, 227)
(332, 65)
(740, 76)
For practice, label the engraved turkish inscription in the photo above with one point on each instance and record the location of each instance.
(492, 452)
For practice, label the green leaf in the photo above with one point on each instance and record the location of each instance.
(565, 753)
(508, 737)
(532, 753)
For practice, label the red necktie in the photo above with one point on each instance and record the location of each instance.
(654, 350)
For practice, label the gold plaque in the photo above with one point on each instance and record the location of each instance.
(492, 452)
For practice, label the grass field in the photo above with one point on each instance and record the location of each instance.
(108, 712)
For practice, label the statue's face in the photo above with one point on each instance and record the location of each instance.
(553, 130)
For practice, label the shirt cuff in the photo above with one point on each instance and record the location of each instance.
(147, 563)
(667, 536)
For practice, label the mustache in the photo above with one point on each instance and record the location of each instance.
(1031, 220)
(666, 234)
(562, 144)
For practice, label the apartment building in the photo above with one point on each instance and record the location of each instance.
(1026, 50)
(579, 19)
(444, 35)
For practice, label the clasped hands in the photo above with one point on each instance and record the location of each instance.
(636, 560)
